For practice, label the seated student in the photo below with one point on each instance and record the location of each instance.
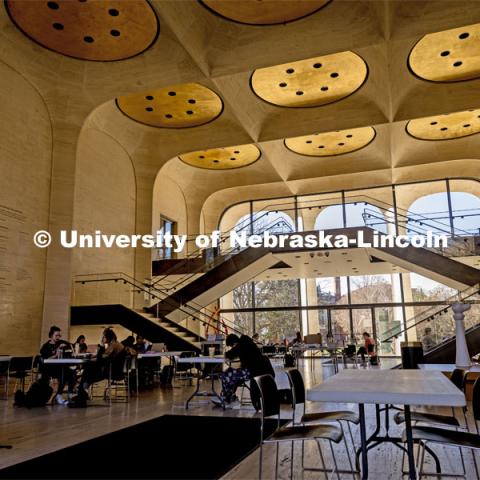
(80, 345)
(54, 348)
(110, 352)
(253, 363)
(365, 350)
(297, 340)
(141, 345)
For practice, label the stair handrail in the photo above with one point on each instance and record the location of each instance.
(121, 276)
(462, 241)
(431, 312)
(249, 222)
(174, 285)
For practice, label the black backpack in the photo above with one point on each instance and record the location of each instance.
(38, 394)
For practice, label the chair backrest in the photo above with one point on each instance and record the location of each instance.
(350, 350)
(370, 348)
(21, 364)
(184, 367)
(476, 399)
(458, 377)
(297, 385)
(269, 398)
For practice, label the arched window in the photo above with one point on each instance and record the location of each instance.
(432, 212)
(273, 222)
(357, 214)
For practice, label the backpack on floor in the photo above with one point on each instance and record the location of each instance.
(38, 394)
(166, 375)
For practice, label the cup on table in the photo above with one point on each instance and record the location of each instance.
(211, 351)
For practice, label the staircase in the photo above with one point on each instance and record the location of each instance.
(245, 265)
(176, 337)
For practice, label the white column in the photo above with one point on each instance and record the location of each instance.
(462, 359)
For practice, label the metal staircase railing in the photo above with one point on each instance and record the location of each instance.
(224, 325)
(430, 313)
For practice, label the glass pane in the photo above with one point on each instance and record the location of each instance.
(244, 322)
(385, 321)
(371, 289)
(276, 327)
(362, 322)
(341, 326)
(332, 291)
(465, 206)
(369, 207)
(424, 289)
(414, 208)
(276, 293)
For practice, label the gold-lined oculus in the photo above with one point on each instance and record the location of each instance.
(97, 30)
(264, 12)
(446, 126)
(448, 56)
(177, 106)
(331, 143)
(225, 158)
(312, 82)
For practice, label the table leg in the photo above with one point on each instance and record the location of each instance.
(412, 474)
(363, 440)
(194, 394)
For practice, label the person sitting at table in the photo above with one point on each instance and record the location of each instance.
(298, 339)
(427, 340)
(252, 364)
(368, 340)
(141, 345)
(80, 345)
(111, 353)
(54, 348)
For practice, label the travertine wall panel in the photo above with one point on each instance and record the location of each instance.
(105, 195)
(25, 166)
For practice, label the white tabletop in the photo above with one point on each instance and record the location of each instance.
(403, 387)
(150, 355)
(65, 361)
(5, 358)
(445, 367)
(201, 360)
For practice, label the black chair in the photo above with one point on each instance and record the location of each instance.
(185, 369)
(450, 438)
(458, 377)
(298, 397)
(270, 406)
(350, 353)
(20, 369)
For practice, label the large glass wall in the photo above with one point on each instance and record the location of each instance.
(345, 306)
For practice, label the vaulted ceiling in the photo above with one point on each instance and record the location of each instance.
(207, 76)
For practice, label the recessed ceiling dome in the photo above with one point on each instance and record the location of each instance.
(448, 56)
(445, 127)
(266, 12)
(177, 106)
(223, 158)
(331, 143)
(312, 82)
(89, 30)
